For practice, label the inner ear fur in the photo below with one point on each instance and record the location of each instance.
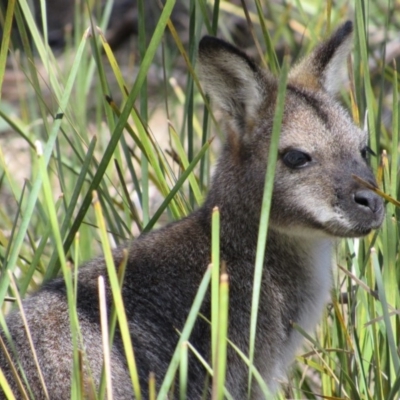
(324, 68)
(235, 84)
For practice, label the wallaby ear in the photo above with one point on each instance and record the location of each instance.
(325, 66)
(231, 79)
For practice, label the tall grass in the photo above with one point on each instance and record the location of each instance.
(101, 175)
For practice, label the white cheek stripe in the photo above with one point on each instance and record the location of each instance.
(324, 214)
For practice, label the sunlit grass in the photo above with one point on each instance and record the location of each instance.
(93, 123)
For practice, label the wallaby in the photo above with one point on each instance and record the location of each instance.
(315, 200)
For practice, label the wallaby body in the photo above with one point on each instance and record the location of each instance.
(315, 200)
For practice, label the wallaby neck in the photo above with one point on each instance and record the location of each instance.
(239, 220)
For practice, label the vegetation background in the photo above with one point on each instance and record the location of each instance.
(105, 134)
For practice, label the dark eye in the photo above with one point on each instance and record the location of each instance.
(296, 159)
(366, 151)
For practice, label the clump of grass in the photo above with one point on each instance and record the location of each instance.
(93, 125)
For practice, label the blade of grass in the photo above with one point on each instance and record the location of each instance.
(44, 52)
(266, 206)
(183, 371)
(152, 386)
(395, 389)
(215, 278)
(113, 319)
(187, 329)
(185, 162)
(395, 361)
(361, 35)
(271, 55)
(3, 383)
(177, 186)
(38, 181)
(144, 116)
(104, 336)
(119, 127)
(257, 376)
(395, 136)
(72, 311)
(5, 387)
(51, 270)
(131, 209)
(28, 335)
(6, 40)
(221, 357)
(117, 297)
(209, 370)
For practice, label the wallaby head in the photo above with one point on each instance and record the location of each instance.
(320, 148)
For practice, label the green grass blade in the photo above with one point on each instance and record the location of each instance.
(221, 357)
(121, 122)
(117, 297)
(215, 278)
(6, 40)
(73, 316)
(183, 371)
(370, 98)
(388, 326)
(177, 186)
(38, 182)
(187, 329)
(266, 206)
(5, 387)
(185, 163)
(51, 271)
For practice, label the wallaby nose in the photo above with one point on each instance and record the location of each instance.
(369, 199)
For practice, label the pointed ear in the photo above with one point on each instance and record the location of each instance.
(231, 79)
(324, 68)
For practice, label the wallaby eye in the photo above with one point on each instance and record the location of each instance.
(296, 159)
(366, 151)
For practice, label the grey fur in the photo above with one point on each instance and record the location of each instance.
(311, 206)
